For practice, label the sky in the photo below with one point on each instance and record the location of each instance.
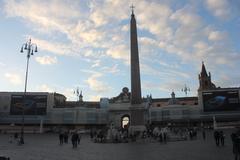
(86, 45)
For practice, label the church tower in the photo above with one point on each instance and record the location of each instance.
(136, 97)
(205, 82)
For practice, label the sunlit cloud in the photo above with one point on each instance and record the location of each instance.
(13, 78)
(119, 52)
(44, 88)
(112, 70)
(96, 85)
(219, 8)
(46, 60)
(217, 36)
(95, 98)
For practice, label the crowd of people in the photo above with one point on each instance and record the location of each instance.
(219, 137)
(161, 135)
(16, 138)
(75, 138)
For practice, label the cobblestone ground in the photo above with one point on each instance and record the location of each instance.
(46, 147)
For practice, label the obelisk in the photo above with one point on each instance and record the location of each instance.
(136, 97)
(137, 121)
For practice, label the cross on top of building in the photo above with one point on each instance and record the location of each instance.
(132, 7)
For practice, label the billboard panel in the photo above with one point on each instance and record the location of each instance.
(221, 101)
(34, 105)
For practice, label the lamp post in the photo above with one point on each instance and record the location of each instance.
(186, 89)
(30, 48)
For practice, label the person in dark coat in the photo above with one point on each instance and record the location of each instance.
(236, 145)
(15, 135)
(66, 137)
(164, 137)
(222, 137)
(79, 138)
(61, 136)
(204, 135)
(160, 137)
(74, 139)
(216, 137)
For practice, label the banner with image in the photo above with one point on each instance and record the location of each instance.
(221, 101)
(34, 105)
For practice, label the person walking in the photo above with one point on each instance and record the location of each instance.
(66, 137)
(236, 145)
(79, 138)
(61, 136)
(222, 138)
(165, 137)
(216, 137)
(74, 140)
(161, 137)
(204, 134)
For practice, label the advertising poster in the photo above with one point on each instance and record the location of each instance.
(221, 101)
(34, 105)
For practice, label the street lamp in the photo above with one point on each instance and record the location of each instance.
(30, 48)
(186, 89)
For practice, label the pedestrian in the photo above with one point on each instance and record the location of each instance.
(15, 135)
(165, 137)
(91, 134)
(74, 140)
(236, 145)
(66, 137)
(160, 137)
(79, 138)
(222, 138)
(216, 137)
(10, 140)
(204, 135)
(61, 136)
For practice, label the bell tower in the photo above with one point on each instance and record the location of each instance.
(205, 82)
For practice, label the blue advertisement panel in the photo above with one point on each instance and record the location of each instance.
(221, 101)
(34, 105)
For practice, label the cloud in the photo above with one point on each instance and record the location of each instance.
(150, 19)
(68, 92)
(146, 41)
(165, 73)
(219, 8)
(96, 63)
(111, 70)
(46, 60)
(95, 98)
(13, 78)
(119, 52)
(97, 85)
(187, 17)
(44, 88)
(44, 13)
(102, 12)
(217, 36)
(167, 87)
(2, 64)
(54, 47)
